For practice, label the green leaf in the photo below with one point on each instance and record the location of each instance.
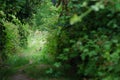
(57, 64)
(75, 19)
(49, 71)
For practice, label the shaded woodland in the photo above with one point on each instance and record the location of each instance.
(59, 40)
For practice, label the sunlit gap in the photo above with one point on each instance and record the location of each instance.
(36, 42)
(33, 53)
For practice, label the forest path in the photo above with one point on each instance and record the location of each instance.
(20, 76)
(21, 73)
(25, 64)
(31, 63)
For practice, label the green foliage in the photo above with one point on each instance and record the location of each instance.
(22, 9)
(91, 46)
(14, 33)
(2, 42)
(46, 16)
(23, 32)
(15, 36)
(46, 19)
(49, 50)
(82, 41)
(12, 38)
(13, 60)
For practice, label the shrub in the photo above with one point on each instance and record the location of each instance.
(90, 48)
(12, 38)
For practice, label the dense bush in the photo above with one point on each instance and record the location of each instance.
(2, 41)
(13, 33)
(46, 16)
(22, 9)
(90, 46)
(12, 37)
(14, 15)
(82, 35)
(23, 32)
(45, 20)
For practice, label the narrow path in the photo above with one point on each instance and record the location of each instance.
(31, 64)
(20, 76)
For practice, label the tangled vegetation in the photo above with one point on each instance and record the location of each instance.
(62, 39)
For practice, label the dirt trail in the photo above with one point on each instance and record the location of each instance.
(20, 76)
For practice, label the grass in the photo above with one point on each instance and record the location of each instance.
(31, 61)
